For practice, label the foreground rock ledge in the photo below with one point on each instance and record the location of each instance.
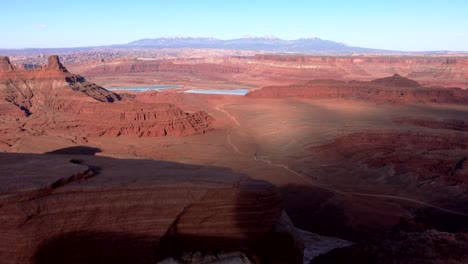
(88, 209)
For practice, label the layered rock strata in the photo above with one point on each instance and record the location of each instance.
(87, 209)
(447, 71)
(395, 89)
(50, 98)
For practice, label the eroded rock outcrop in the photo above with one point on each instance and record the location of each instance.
(50, 86)
(5, 65)
(54, 64)
(87, 209)
(50, 92)
(396, 81)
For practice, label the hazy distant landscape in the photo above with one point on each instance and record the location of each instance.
(119, 144)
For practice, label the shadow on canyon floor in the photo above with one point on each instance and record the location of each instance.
(94, 247)
(326, 213)
(79, 150)
(317, 210)
(97, 247)
(76, 150)
(251, 221)
(310, 208)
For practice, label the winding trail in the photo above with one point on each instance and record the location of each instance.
(285, 130)
(232, 145)
(285, 167)
(218, 107)
(314, 183)
(237, 125)
(381, 196)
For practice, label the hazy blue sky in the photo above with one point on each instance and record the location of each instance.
(392, 24)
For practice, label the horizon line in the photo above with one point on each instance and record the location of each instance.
(267, 37)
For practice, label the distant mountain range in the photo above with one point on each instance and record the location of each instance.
(266, 43)
(272, 44)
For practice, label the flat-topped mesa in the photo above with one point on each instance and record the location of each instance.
(393, 89)
(5, 65)
(54, 64)
(397, 81)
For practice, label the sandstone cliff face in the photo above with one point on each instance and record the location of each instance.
(396, 81)
(5, 65)
(54, 64)
(212, 71)
(395, 89)
(87, 209)
(443, 71)
(135, 119)
(85, 109)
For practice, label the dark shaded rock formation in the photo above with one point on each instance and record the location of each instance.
(54, 64)
(5, 65)
(88, 209)
(396, 81)
(430, 247)
(433, 161)
(451, 124)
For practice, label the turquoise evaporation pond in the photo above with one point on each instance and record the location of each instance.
(145, 88)
(226, 92)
